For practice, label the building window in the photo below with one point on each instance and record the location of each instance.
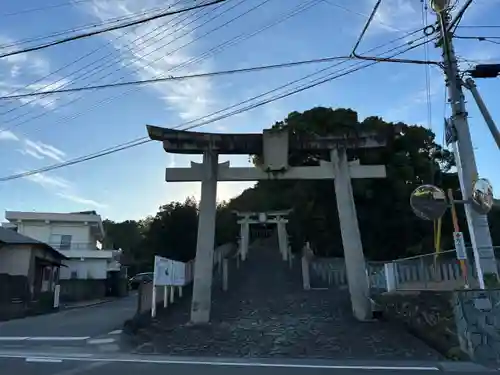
(65, 242)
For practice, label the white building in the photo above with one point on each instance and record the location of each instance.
(76, 235)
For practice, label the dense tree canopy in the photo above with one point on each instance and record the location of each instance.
(389, 229)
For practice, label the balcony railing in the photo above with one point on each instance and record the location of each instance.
(74, 246)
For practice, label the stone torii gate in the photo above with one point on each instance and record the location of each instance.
(269, 217)
(274, 146)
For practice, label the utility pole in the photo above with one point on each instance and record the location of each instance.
(471, 85)
(484, 255)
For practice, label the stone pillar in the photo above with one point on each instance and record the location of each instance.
(306, 278)
(245, 233)
(203, 269)
(282, 238)
(225, 274)
(351, 239)
(390, 276)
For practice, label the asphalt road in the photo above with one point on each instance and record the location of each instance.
(152, 365)
(87, 341)
(72, 327)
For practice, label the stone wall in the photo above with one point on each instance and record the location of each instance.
(477, 314)
(428, 315)
(73, 290)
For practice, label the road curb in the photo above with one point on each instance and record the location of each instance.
(87, 305)
(458, 366)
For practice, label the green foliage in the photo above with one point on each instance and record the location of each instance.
(491, 281)
(389, 229)
(171, 233)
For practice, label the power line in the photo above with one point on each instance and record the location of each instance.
(86, 26)
(112, 28)
(490, 39)
(329, 2)
(179, 78)
(102, 66)
(217, 49)
(46, 7)
(109, 43)
(479, 27)
(136, 142)
(477, 37)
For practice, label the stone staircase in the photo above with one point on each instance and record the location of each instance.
(266, 313)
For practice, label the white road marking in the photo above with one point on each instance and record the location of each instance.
(44, 338)
(58, 338)
(44, 360)
(91, 358)
(101, 341)
(116, 332)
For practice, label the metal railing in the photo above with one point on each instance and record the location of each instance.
(74, 246)
(434, 271)
(326, 272)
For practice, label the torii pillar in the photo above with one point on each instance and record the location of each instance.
(274, 146)
(203, 263)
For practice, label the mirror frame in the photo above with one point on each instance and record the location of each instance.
(423, 215)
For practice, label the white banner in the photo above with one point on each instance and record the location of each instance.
(178, 273)
(169, 272)
(162, 271)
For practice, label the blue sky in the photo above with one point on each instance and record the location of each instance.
(130, 184)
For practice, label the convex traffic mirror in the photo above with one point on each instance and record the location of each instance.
(482, 195)
(428, 202)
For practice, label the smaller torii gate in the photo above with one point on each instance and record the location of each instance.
(269, 217)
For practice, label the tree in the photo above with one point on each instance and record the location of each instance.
(388, 226)
(172, 232)
(389, 229)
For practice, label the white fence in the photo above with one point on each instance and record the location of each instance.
(424, 272)
(163, 296)
(325, 273)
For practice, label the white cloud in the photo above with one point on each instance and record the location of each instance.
(6, 135)
(31, 153)
(49, 182)
(14, 71)
(63, 189)
(395, 15)
(81, 200)
(151, 50)
(18, 71)
(12, 88)
(225, 190)
(42, 149)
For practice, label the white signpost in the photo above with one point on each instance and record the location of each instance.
(57, 292)
(169, 273)
(458, 237)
